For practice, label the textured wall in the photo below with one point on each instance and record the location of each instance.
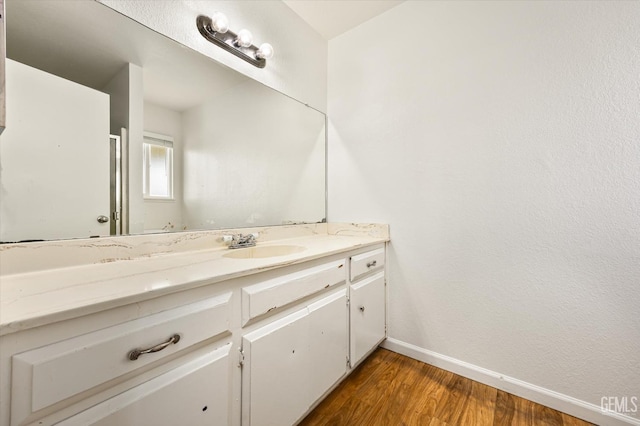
(299, 67)
(501, 141)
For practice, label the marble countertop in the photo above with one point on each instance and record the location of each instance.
(40, 297)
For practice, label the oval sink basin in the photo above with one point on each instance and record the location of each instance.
(263, 251)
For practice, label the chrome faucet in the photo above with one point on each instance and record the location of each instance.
(240, 241)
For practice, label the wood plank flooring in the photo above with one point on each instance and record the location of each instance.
(391, 389)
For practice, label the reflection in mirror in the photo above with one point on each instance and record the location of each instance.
(108, 119)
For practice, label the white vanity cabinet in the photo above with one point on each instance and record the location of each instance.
(256, 349)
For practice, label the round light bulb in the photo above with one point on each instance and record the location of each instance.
(219, 23)
(265, 51)
(244, 38)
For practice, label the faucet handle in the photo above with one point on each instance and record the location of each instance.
(240, 240)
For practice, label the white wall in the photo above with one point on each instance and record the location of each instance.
(159, 214)
(242, 165)
(306, 197)
(299, 67)
(501, 141)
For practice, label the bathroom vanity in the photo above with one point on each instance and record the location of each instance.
(199, 334)
(169, 328)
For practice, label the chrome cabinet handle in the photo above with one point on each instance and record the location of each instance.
(135, 354)
(361, 308)
(370, 264)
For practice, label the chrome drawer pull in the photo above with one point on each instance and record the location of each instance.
(135, 354)
(370, 264)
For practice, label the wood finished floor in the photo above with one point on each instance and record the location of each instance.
(391, 389)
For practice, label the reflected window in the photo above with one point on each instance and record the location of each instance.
(157, 166)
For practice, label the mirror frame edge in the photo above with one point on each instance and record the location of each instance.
(3, 55)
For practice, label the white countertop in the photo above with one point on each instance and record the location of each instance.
(41, 297)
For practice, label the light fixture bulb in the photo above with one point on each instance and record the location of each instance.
(219, 23)
(244, 38)
(265, 51)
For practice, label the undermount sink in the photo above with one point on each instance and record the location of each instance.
(263, 251)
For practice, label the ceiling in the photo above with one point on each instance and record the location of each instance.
(74, 47)
(331, 18)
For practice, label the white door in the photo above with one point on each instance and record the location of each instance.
(291, 362)
(196, 393)
(367, 316)
(55, 158)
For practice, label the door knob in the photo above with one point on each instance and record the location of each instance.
(103, 219)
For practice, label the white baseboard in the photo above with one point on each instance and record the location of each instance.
(557, 401)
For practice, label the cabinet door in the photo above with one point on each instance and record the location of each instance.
(329, 340)
(367, 316)
(291, 362)
(196, 393)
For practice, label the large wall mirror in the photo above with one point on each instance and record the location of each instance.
(114, 129)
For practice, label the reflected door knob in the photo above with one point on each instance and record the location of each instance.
(103, 219)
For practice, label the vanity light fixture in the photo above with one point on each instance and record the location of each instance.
(216, 30)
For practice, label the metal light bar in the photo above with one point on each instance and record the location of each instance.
(227, 39)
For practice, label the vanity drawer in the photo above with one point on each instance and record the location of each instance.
(45, 376)
(193, 394)
(266, 296)
(364, 263)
